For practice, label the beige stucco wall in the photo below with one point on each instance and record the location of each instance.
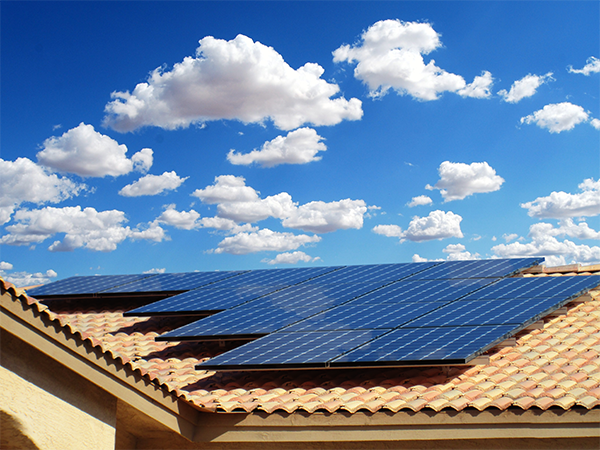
(46, 406)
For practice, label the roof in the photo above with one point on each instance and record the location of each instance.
(554, 366)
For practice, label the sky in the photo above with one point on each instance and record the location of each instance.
(151, 137)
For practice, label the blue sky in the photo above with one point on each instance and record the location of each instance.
(182, 136)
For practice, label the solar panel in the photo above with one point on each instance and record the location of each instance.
(420, 346)
(290, 350)
(354, 316)
(488, 312)
(535, 288)
(239, 323)
(169, 282)
(423, 291)
(230, 292)
(83, 285)
(486, 268)
(378, 273)
(424, 322)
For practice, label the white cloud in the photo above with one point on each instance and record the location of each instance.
(155, 270)
(592, 66)
(595, 123)
(238, 79)
(87, 153)
(24, 181)
(388, 230)
(5, 265)
(180, 219)
(562, 204)
(417, 258)
(321, 217)
(262, 241)
(98, 231)
(153, 185)
(242, 203)
(25, 279)
(458, 180)
(510, 237)
(525, 87)
(390, 56)
(457, 252)
(420, 200)
(557, 117)
(437, 225)
(479, 88)
(544, 243)
(290, 258)
(298, 147)
(227, 189)
(142, 160)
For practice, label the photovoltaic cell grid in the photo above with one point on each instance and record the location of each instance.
(318, 294)
(84, 285)
(231, 292)
(452, 330)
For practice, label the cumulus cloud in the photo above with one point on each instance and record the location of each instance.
(321, 217)
(557, 117)
(525, 87)
(5, 265)
(24, 181)
(184, 220)
(458, 252)
(437, 225)
(290, 258)
(459, 180)
(153, 185)
(241, 203)
(155, 270)
(479, 88)
(595, 123)
(238, 79)
(298, 147)
(88, 228)
(544, 243)
(87, 153)
(592, 66)
(561, 204)
(390, 56)
(389, 230)
(26, 279)
(420, 200)
(263, 240)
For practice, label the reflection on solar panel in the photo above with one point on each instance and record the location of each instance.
(84, 285)
(169, 282)
(231, 292)
(419, 320)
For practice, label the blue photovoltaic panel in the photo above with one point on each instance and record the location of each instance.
(241, 321)
(358, 317)
(423, 291)
(426, 345)
(278, 350)
(84, 285)
(535, 287)
(487, 268)
(488, 312)
(380, 273)
(230, 292)
(273, 277)
(202, 300)
(166, 282)
(309, 295)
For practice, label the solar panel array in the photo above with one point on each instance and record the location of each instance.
(345, 316)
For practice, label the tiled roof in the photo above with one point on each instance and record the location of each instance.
(557, 365)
